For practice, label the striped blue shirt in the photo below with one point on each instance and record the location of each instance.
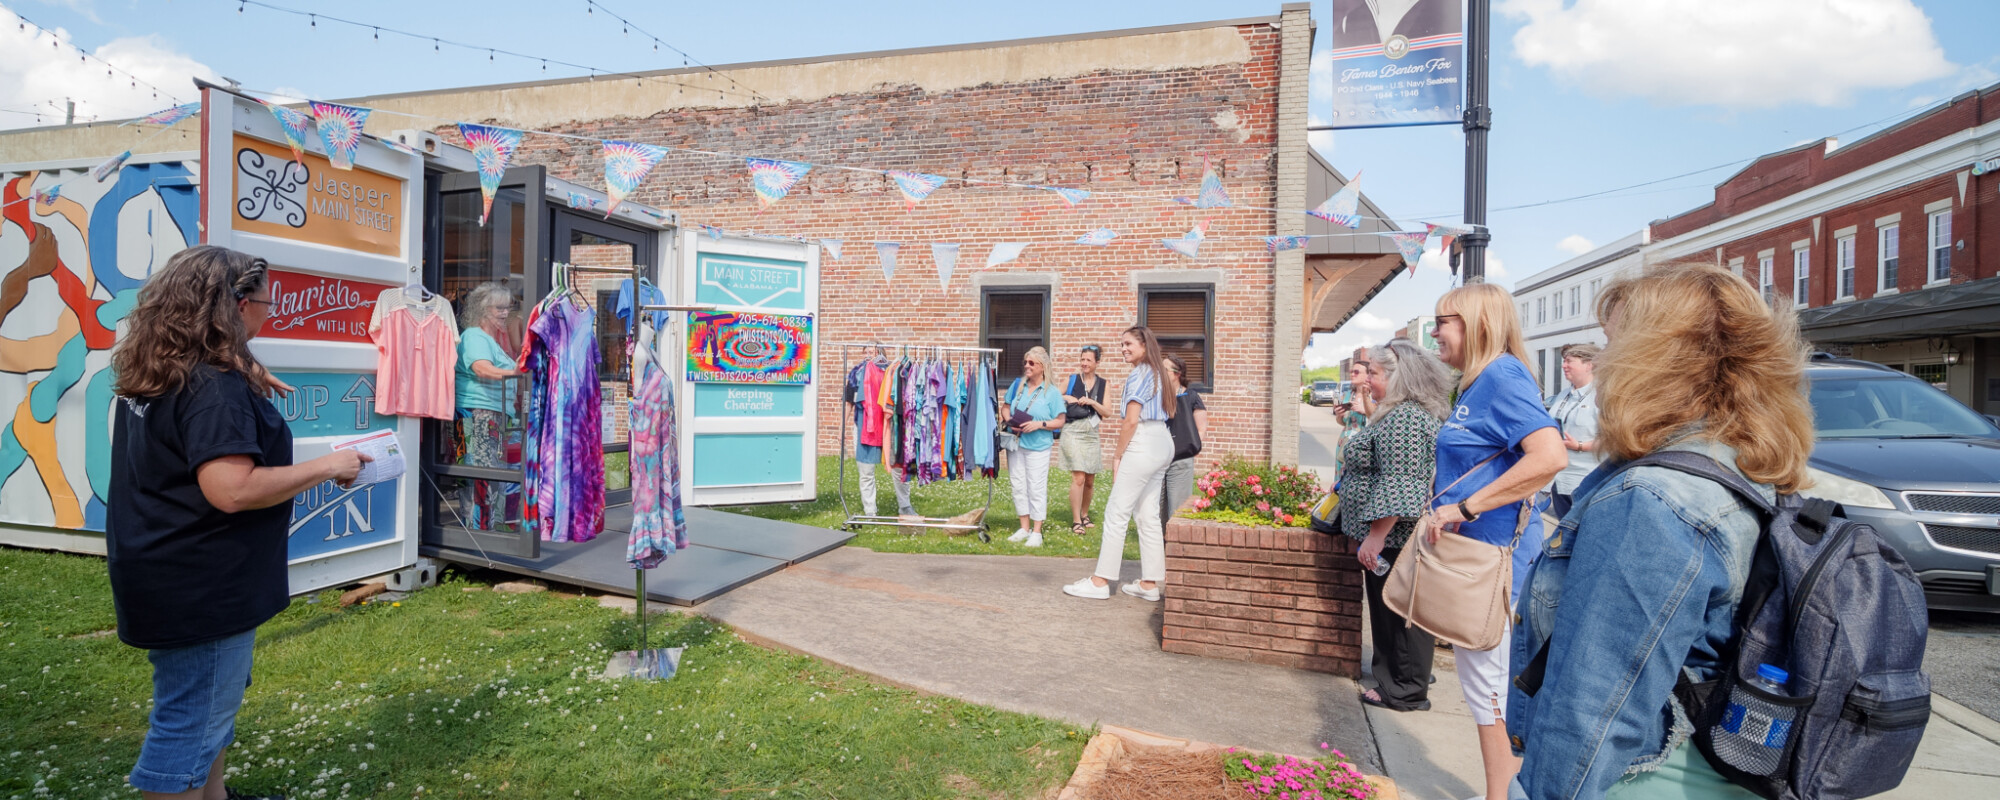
(1143, 388)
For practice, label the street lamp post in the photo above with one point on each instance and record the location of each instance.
(1478, 120)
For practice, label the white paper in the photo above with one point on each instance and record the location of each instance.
(386, 452)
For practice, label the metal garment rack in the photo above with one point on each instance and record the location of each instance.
(856, 521)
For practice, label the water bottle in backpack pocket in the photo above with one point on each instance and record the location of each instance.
(1751, 726)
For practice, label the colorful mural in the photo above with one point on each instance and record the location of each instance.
(70, 269)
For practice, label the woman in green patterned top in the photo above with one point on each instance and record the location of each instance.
(1385, 479)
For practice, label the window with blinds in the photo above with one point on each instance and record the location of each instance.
(1014, 321)
(1182, 319)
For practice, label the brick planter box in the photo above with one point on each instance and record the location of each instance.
(1284, 596)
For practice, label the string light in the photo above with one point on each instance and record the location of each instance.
(627, 26)
(83, 56)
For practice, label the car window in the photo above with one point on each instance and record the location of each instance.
(1890, 407)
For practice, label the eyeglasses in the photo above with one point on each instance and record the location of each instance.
(265, 303)
(1438, 324)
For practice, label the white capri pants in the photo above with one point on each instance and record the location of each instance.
(1028, 473)
(1135, 492)
(1482, 676)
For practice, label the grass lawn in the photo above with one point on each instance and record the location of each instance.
(944, 500)
(457, 693)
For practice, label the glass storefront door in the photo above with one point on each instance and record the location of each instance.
(602, 254)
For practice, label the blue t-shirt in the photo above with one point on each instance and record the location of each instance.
(649, 295)
(1043, 403)
(1494, 415)
(1141, 387)
(473, 391)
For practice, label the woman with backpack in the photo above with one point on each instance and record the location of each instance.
(1641, 581)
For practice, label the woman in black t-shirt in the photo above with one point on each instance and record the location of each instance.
(1080, 451)
(1188, 424)
(201, 487)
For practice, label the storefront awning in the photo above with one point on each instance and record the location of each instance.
(1944, 311)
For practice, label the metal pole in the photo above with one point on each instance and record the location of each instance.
(1478, 120)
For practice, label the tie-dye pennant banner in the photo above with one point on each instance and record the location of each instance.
(340, 133)
(168, 116)
(1344, 207)
(774, 179)
(1071, 197)
(492, 148)
(1411, 245)
(915, 186)
(1004, 252)
(626, 165)
(946, 256)
(1190, 243)
(49, 195)
(298, 127)
(582, 202)
(714, 232)
(400, 147)
(831, 246)
(887, 252)
(1212, 194)
(1097, 238)
(110, 167)
(1277, 243)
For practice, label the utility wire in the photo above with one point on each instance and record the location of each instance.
(628, 25)
(24, 23)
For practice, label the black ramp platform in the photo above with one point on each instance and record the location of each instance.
(724, 551)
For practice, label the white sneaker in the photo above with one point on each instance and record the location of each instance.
(1019, 536)
(1132, 588)
(1034, 540)
(1088, 589)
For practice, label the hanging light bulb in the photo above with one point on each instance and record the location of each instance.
(314, 18)
(489, 54)
(434, 46)
(378, 34)
(239, 6)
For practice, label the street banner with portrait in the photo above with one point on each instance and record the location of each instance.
(1397, 62)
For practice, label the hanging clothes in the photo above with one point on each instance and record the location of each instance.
(659, 524)
(565, 458)
(417, 343)
(985, 446)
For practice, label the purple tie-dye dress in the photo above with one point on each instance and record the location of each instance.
(565, 456)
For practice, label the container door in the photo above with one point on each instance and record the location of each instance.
(335, 240)
(604, 253)
(749, 406)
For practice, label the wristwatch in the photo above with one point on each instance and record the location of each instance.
(1466, 512)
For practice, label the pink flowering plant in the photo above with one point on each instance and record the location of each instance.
(1330, 777)
(1246, 493)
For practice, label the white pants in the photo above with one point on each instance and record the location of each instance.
(1028, 473)
(1135, 492)
(1482, 676)
(868, 489)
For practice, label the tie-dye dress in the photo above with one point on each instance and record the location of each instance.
(659, 526)
(565, 447)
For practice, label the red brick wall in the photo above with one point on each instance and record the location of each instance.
(1111, 132)
(1284, 596)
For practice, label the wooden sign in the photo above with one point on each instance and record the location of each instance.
(310, 201)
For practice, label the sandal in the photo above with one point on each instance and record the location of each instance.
(1079, 528)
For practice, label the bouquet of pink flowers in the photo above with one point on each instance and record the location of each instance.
(1255, 494)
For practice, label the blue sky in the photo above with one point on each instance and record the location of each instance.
(1588, 95)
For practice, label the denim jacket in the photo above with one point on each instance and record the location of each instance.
(1639, 582)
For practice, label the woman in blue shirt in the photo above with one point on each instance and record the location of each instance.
(484, 365)
(1495, 451)
(1028, 454)
(1139, 468)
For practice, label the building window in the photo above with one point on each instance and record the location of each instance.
(1524, 313)
(1182, 318)
(1765, 282)
(1542, 367)
(1940, 246)
(1937, 375)
(1890, 251)
(1801, 275)
(1013, 320)
(1575, 301)
(1559, 305)
(1592, 299)
(1541, 310)
(1843, 260)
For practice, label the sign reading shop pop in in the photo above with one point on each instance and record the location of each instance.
(310, 201)
(1397, 62)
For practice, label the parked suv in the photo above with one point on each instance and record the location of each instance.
(1917, 466)
(1325, 393)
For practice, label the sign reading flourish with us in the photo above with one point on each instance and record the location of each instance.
(749, 348)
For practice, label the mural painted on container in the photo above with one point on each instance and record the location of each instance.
(70, 269)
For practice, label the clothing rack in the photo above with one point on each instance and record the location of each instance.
(889, 521)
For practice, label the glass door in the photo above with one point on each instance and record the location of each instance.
(492, 273)
(602, 254)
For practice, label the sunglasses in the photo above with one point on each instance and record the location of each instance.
(1439, 322)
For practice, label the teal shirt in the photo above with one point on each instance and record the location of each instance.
(473, 391)
(1043, 403)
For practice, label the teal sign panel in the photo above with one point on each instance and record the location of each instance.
(327, 518)
(748, 459)
(762, 283)
(748, 400)
(331, 404)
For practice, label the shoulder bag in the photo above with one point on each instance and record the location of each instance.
(1457, 588)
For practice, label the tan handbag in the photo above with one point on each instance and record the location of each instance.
(1458, 588)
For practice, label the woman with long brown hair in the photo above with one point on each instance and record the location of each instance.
(1138, 466)
(202, 481)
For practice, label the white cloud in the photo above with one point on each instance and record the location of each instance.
(1729, 52)
(1369, 322)
(40, 73)
(1574, 244)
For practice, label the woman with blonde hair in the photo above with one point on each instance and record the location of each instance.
(1138, 467)
(1032, 411)
(1640, 583)
(1498, 449)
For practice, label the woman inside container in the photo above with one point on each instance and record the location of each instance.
(202, 482)
(1080, 451)
(1138, 467)
(484, 366)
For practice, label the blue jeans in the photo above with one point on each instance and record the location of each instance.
(196, 692)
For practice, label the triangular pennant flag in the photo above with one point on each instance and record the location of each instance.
(111, 167)
(1412, 247)
(1070, 196)
(915, 185)
(773, 179)
(1277, 243)
(1212, 194)
(581, 201)
(340, 133)
(1190, 243)
(887, 251)
(399, 147)
(831, 246)
(946, 256)
(1343, 208)
(1004, 252)
(297, 126)
(1097, 238)
(168, 116)
(626, 165)
(49, 195)
(714, 232)
(492, 148)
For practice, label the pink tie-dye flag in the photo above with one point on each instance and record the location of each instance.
(915, 186)
(1190, 243)
(1412, 247)
(1343, 208)
(298, 125)
(1071, 197)
(626, 165)
(492, 148)
(773, 179)
(168, 116)
(340, 132)
(1212, 195)
(1097, 238)
(1277, 243)
(110, 167)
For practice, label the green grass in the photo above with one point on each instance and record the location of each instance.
(944, 500)
(459, 693)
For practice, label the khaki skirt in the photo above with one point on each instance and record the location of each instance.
(1079, 450)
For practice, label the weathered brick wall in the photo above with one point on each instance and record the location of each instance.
(1283, 596)
(1136, 139)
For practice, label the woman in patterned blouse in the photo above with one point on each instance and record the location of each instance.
(1385, 479)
